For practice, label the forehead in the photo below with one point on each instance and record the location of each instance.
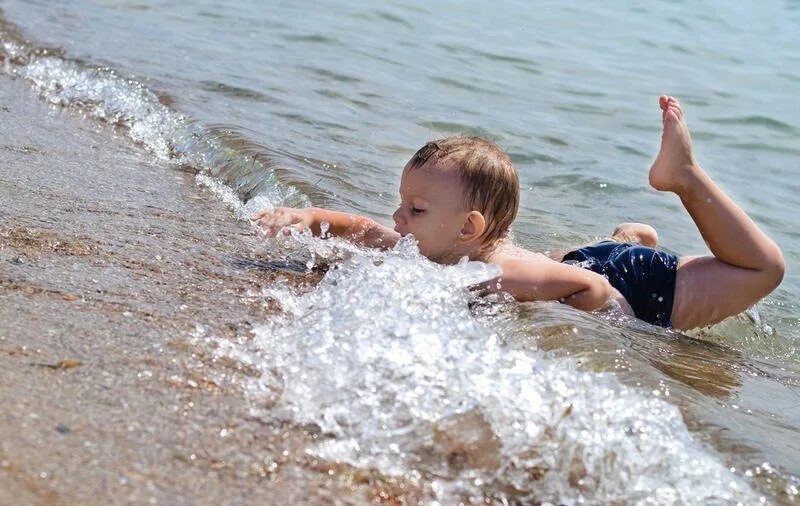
(430, 179)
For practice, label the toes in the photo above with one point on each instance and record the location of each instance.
(672, 114)
(673, 102)
(665, 101)
(677, 111)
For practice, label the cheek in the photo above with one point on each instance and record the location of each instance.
(422, 230)
(437, 232)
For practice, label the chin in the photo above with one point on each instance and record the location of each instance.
(440, 258)
(430, 256)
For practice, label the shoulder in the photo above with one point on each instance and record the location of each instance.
(511, 255)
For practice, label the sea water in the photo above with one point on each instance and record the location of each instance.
(390, 356)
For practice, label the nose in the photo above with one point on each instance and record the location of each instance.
(399, 221)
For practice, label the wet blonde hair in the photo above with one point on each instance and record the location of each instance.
(489, 178)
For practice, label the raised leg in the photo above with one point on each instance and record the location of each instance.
(746, 264)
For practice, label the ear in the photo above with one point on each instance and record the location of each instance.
(473, 227)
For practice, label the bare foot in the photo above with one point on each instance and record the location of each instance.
(637, 233)
(675, 164)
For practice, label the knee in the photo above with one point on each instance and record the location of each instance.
(639, 233)
(648, 235)
(774, 268)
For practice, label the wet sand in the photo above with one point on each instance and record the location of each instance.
(109, 261)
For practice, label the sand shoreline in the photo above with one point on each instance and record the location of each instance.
(110, 261)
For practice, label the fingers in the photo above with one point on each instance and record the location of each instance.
(261, 213)
(281, 220)
(278, 216)
(270, 231)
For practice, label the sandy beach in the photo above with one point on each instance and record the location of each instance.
(110, 261)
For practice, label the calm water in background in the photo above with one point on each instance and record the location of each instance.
(350, 91)
(569, 90)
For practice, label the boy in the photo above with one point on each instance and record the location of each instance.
(460, 195)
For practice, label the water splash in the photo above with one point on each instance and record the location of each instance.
(108, 97)
(387, 358)
(102, 93)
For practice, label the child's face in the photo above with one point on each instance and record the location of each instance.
(432, 208)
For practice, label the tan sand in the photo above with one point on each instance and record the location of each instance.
(109, 259)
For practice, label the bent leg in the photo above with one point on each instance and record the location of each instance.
(746, 265)
(708, 290)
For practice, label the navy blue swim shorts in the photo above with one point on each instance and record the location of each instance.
(643, 275)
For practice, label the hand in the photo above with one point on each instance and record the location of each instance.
(273, 221)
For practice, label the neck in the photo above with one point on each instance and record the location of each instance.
(478, 252)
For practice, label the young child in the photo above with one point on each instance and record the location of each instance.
(460, 195)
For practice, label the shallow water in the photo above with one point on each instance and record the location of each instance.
(302, 104)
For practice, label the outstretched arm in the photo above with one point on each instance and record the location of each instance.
(357, 229)
(529, 280)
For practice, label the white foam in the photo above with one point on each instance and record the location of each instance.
(106, 96)
(385, 356)
(103, 94)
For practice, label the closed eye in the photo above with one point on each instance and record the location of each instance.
(416, 210)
